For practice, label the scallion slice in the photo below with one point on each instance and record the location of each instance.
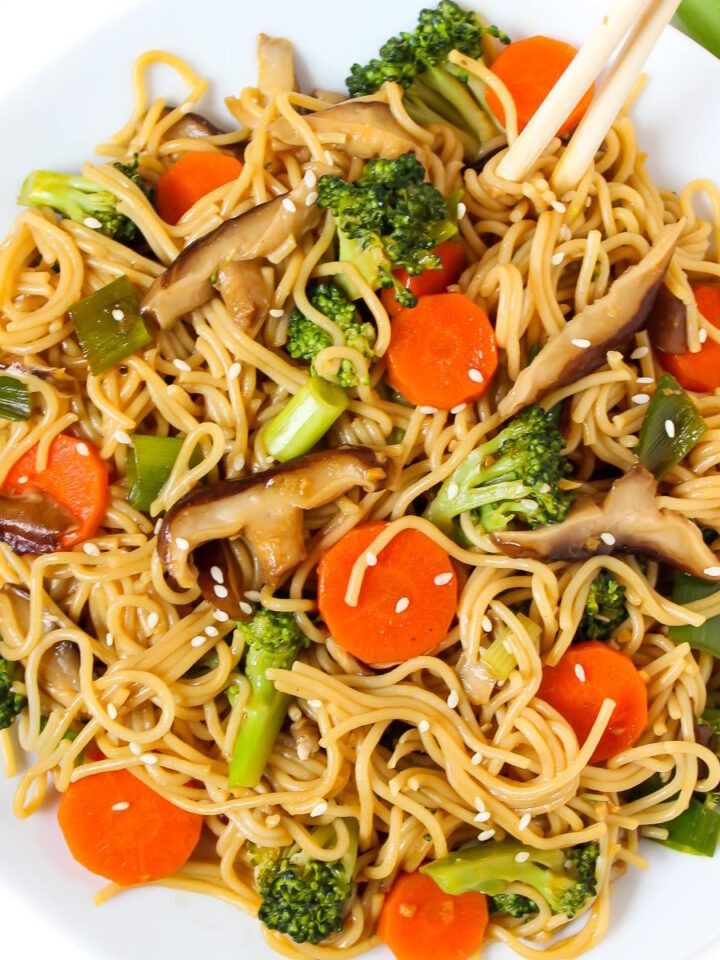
(149, 463)
(500, 660)
(305, 419)
(14, 399)
(686, 589)
(671, 428)
(108, 325)
(696, 830)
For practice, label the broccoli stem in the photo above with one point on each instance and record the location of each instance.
(265, 713)
(474, 118)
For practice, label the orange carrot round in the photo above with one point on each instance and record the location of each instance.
(587, 674)
(119, 828)
(191, 177)
(452, 257)
(698, 371)
(420, 922)
(442, 352)
(76, 476)
(530, 69)
(407, 600)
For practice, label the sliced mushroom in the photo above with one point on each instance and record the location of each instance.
(276, 68)
(267, 509)
(582, 345)
(268, 229)
(33, 523)
(363, 128)
(194, 126)
(62, 381)
(628, 520)
(667, 323)
(244, 291)
(216, 565)
(59, 672)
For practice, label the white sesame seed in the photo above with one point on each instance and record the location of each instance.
(182, 365)
(639, 353)
(702, 334)
(557, 258)
(629, 441)
(581, 343)
(565, 232)
(424, 726)
(92, 222)
(149, 759)
(276, 312)
(112, 711)
(217, 574)
(23, 479)
(118, 314)
(522, 857)
(92, 549)
(319, 809)
(545, 488)
(453, 699)
(646, 379)
(476, 759)
(198, 641)
(245, 607)
(153, 620)
(427, 410)
(640, 398)
(109, 639)
(443, 578)
(289, 205)
(608, 538)
(122, 805)
(482, 817)
(458, 408)
(370, 558)
(475, 375)
(233, 371)
(211, 631)
(524, 821)
(487, 624)
(181, 543)
(220, 591)
(122, 437)
(310, 178)
(486, 835)
(83, 449)
(136, 749)
(315, 704)
(452, 491)
(580, 672)
(670, 428)
(311, 198)
(461, 210)
(221, 616)
(402, 605)
(712, 571)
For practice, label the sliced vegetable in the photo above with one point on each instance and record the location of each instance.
(671, 428)
(686, 589)
(420, 922)
(696, 830)
(75, 476)
(149, 463)
(498, 657)
(195, 174)
(452, 260)
(701, 19)
(529, 69)
(407, 600)
(698, 371)
(14, 399)
(108, 325)
(442, 352)
(304, 419)
(576, 687)
(117, 827)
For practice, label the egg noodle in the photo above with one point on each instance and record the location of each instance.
(535, 260)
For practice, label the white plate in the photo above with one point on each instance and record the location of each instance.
(54, 120)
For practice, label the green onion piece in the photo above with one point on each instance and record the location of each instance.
(497, 658)
(671, 428)
(14, 399)
(149, 463)
(304, 419)
(108, 325)
(707, 637)
(696, 830)
(701, 19)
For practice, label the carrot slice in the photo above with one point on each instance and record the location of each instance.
(420, 922)
(442, 352)
(191, 177)
(76, 476)
(698, 371)
(402, 611)
(586, 675)
(530, 68)
(452, 257)
(146, 840)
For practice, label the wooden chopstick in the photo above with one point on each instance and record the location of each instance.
(611, 95)
(564, 96)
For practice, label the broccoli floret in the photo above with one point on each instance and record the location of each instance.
(83, 201)
(565, 878)
(513, 904)
(302, 897)
(132, 172)
(306, 339)
(11, 703)
(514, 476)
(605, 608)
(273, 640)
(436, 91)
(388, 218)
